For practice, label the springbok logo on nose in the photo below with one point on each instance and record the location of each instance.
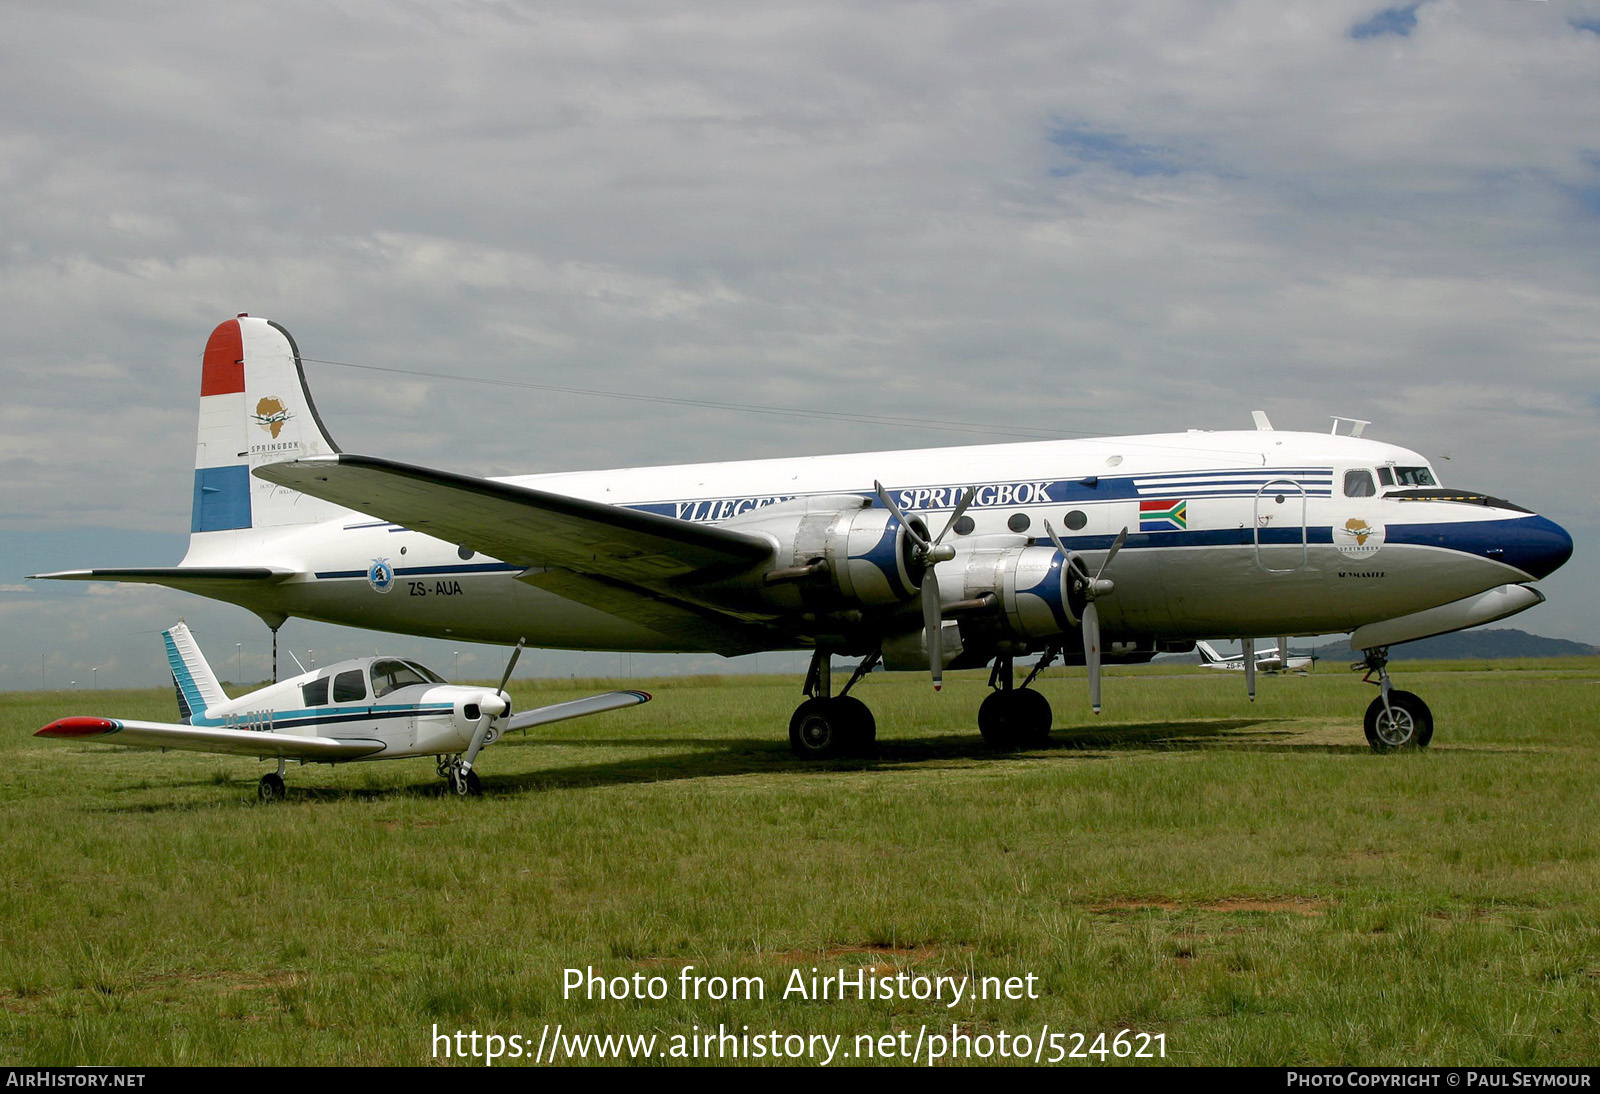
(271, 414)
(1357, 538)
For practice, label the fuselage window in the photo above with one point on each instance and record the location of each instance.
(1018, 522)
(315, 694)
(349, 687)
(1386, 476)
(1415, 476)
(1358, 484)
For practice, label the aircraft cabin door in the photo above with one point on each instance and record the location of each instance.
(1282, 539)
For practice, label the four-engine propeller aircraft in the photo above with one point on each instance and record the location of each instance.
(371, 708)
(1082, 551)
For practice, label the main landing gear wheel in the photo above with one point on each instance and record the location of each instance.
(271, 788)
(824, 728)
(1015, 719)
(1405, 723)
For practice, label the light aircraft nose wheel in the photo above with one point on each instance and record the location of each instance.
(1405, 723)
(464, 783)
(1015, 719)
(271, 788)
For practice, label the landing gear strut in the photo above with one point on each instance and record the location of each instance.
(832, 725)
(1395, 719)
(1015, 717)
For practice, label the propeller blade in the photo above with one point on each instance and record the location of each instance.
(961, 507)
(479, 732)
(1116, 545)
(933, 627)
(911, 529)
(1091, 651)
(1051, 532)
(510, 666)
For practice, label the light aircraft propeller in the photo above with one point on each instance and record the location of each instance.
(929, 553)
(1082, 593)
(491, 707)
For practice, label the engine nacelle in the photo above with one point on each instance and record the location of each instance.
(1032, 587)
(833, 552)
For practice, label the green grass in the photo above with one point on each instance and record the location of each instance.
(1250, 881)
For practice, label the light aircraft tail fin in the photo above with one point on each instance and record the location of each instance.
(198, 689)
(1207, 654)
(255, 409)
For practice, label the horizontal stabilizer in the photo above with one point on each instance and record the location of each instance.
(193, 579)
(233, 742)
(520, 525)
(577, 708)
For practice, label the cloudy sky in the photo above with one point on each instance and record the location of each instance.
(1098, 217)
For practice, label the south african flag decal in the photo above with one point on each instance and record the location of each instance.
(1163, 515)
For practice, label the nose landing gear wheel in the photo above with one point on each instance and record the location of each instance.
(1405, 723)
(271, 788)
(463, 783)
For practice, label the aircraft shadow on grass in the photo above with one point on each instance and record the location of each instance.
(721, 757)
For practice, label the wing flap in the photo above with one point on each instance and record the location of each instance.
(521, 525)
(235, 742)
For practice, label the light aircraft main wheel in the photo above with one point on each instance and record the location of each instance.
(819, 729)
(271, 788)
(1407, 723)
(1015, 719)
(860, 727)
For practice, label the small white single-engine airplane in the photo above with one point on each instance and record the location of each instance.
(1264, 660)
(371, 708)
(1078, 550)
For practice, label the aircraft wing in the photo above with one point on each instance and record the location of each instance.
(520, 525)
(577, 708)
(236, 742)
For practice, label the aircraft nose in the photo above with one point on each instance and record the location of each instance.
(1537, 546)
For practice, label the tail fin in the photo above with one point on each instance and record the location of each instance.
(254, 409)
(1208, 655)
(198, 689)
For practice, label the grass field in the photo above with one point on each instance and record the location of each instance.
(1249, 881)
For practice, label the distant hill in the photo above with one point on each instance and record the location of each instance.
(1488, 645)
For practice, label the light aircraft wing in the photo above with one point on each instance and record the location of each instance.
(519, 525)
(235, 742)
(577, 708)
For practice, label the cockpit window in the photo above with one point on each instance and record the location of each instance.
(1415, 476)
(1358, 484)
(1386, 476)
(389, 675)
(426, 673)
